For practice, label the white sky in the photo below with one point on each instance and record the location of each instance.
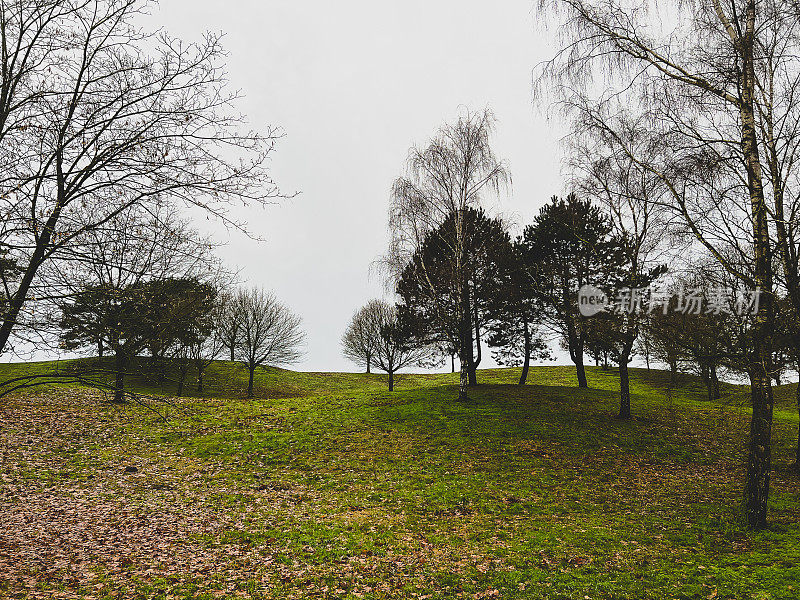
(354, 84)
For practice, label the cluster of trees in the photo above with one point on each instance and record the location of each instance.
(463, 281)
(108, 132)
(149, 284)
(701, 105)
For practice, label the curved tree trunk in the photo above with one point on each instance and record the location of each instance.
(473, 368)
(576, 354)
(527, 359)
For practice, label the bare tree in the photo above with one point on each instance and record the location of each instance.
(362, 335)
(270, 333)
(229, 324)
(701, 79)
(206, 343)
(99, 116)
(443, 180)
(394, 347)
(632, 198)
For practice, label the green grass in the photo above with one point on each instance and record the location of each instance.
(328, 486)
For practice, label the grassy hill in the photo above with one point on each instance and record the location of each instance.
(225, 379)
(328, 486)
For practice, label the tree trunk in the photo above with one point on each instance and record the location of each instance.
(760, 450)
(581, 372)
(15, 302)
(453, 363)
(705, 375)
(464, 326)
(624, 385)
(252, 369)
(715, 383)
(391, 381)
(182, 380)
(119, 385)
(527, 360)
(100, 349)
(473, 370)
(797, 454)
(200, 373)
(233, 358)
(369, 359)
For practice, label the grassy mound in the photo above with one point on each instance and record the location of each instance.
(328, 486)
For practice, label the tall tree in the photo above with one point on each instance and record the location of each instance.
(97, 116)
(444, 180)
(429, 290)
(514, 312)
(631, 197)
(701, 79)
(569, 245)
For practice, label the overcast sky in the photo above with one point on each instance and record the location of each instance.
(353, 85)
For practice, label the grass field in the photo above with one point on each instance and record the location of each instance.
(328, 486)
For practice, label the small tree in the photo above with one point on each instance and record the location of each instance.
(514, 314)
(207, 342)
(395, 347)
(128, 319)
(229, 325)
(361, 338)
(270, 333)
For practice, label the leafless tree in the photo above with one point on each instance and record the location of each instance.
(206, 346)
(393, 348)
(269, 334)
(632, 197)
(443, 180)
(229, 324)
(705, 77)
(98, 116)
(362, 335)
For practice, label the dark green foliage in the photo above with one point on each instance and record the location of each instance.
(570, 244)
(513, 312)
(127, 320)
(428, 286)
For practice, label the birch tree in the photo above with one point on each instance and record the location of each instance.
(701, 73)
(453, 173)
